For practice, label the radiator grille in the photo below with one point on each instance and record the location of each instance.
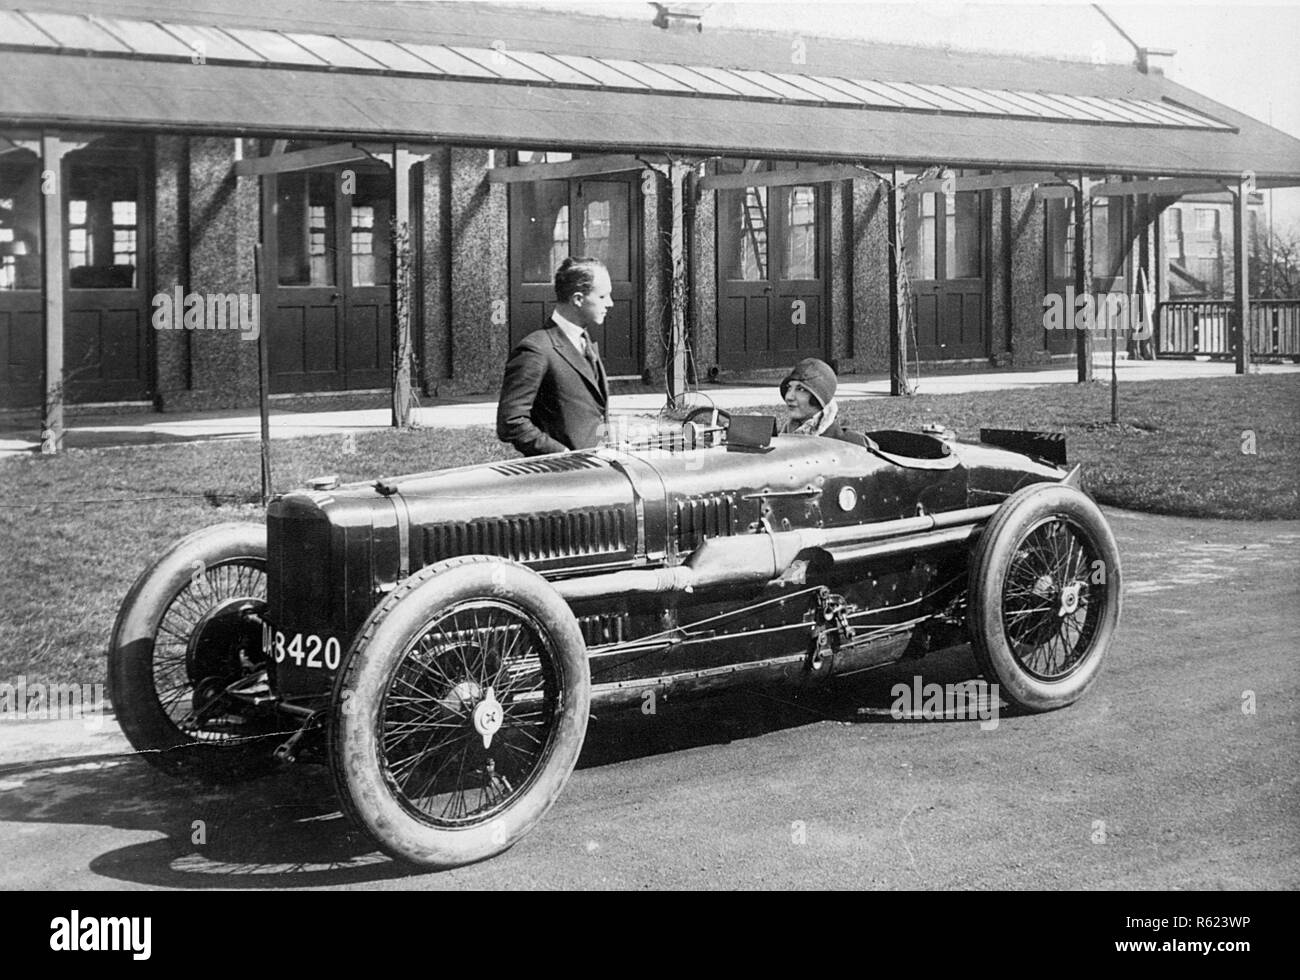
(531, 537)
(703, 517)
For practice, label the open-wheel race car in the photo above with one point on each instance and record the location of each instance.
(440, 639)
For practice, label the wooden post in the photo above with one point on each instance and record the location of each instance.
(52, 151)
(1083, 273)
(1143, 222)
(1114, 374)
(897, 303)
(264, 360)
(401, 277)
(1241, 275)
(1129, 216)
(677, 293)
(1160, 271)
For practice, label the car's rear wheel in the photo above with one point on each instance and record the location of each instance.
(459, 712)
(186, 633)
(1044, 596)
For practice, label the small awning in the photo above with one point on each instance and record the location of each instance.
(97, 73)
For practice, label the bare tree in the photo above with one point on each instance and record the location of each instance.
(1275, 264)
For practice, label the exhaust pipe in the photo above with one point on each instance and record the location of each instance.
(759, 558)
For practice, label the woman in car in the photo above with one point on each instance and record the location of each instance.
(809, 395)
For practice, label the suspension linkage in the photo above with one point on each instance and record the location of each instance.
(287, 751)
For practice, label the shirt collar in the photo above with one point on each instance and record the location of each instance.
(570, 329)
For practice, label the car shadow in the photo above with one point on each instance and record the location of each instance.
(674, 724)
(279, 830)
(285, 829)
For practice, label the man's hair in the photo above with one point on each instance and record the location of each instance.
(576, 276)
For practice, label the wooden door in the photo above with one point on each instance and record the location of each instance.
(329, 234)
(946, 244)
(1111, 228)
(21, 310)
(598, 217)
(1058, 277)
(367, 211)
(305, 339)
(745, 294)
(539, 242)
(771, 284)
(605, 225)
(798, 324)
(107, 336)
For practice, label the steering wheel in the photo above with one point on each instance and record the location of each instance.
(708, 415)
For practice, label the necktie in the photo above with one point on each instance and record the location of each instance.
(597, 371)
(589, 352)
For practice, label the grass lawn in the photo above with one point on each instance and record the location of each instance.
(1177, 450)
(75, 530)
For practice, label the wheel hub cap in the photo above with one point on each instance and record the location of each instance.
(1069, 599)
(488, 715)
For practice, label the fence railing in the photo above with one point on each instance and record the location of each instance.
(1206, 327)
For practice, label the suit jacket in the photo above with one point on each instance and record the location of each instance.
(551, 400)
(837, 431)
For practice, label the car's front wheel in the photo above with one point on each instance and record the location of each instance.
(459, 712)
(187, 634)
(1044, 596)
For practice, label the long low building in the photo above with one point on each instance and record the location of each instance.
(174, 182)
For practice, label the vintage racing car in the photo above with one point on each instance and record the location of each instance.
(440, 639)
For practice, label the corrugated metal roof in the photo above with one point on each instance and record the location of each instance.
(276, 101)
(496, 62)
(535, 28)
(208, 77)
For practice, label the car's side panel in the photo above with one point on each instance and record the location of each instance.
(994, 474)
(335, 554)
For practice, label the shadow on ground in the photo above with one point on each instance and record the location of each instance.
(285, 829)
(117, 438)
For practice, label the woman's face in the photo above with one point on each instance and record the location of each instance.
(799, 402)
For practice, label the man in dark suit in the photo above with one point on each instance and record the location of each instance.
(555, 395)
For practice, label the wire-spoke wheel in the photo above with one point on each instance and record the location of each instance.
(187, 635)
(460, 711)
(1044, 596)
